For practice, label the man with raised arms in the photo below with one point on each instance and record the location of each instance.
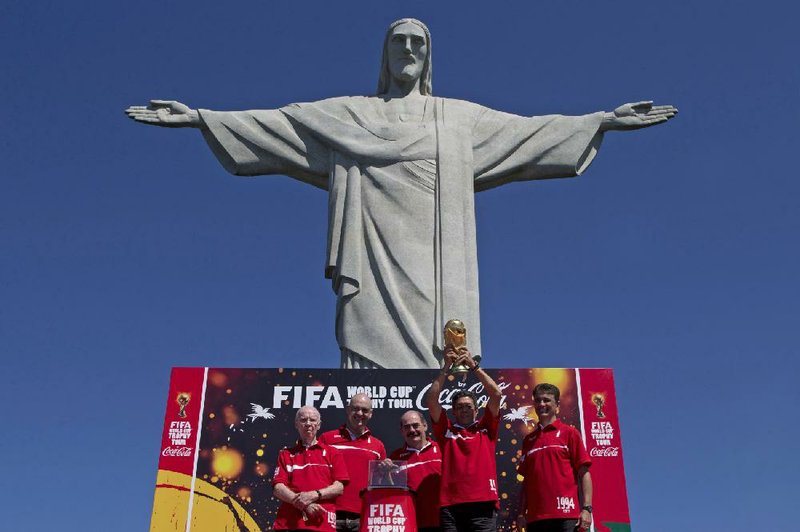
(556, 495)
(468, 494)
(307, 479)
(359, 447)
(424, 467)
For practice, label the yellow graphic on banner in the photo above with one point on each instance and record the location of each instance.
(212, 509)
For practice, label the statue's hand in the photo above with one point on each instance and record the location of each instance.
(636, 116)
(165, 113)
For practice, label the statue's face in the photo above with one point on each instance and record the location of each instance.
(407, 49)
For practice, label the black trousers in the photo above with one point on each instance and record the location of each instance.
(552, 525)
(469, 517)
(347, 521)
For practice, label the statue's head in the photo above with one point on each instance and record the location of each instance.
(406, 55)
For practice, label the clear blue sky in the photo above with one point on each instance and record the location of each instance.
(125, 250)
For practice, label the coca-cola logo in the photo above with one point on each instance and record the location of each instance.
(604, 451)
(446, 396)
(176, 451)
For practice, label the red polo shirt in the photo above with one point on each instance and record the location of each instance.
(357, 453)
(469, 471)
(551, 457)
(424, 469)
(308, 469)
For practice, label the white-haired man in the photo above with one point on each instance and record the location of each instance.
(308, 478)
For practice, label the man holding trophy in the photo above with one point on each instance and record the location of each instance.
(468, 496)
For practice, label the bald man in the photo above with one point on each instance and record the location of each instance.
(359, 447)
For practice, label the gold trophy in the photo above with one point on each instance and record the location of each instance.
(455, 336)
(183, 400)
(599, 401)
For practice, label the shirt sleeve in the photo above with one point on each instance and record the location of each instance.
(338, 467)
(490, 422)
(577, 452)
(281, 475)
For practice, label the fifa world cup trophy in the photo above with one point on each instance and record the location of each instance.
(599, 401)
(455, 336)
(183, 400)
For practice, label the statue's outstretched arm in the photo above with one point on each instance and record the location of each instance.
(636, 116)
(165, 113)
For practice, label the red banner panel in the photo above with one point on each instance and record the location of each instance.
(243, 417)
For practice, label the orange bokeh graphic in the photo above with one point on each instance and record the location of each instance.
(227, 463)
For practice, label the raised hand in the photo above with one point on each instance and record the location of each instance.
(165, 113)
(450, 357)
(636, 116)
(465, 358)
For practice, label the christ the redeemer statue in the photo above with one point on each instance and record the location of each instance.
(401, 168)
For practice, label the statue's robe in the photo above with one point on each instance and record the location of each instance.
(401, 221)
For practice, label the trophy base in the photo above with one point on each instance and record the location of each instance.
(459, 370)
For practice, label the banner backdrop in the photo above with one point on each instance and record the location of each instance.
(224, 427)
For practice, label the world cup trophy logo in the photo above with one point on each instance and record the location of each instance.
(599, 401)
(183, 400)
